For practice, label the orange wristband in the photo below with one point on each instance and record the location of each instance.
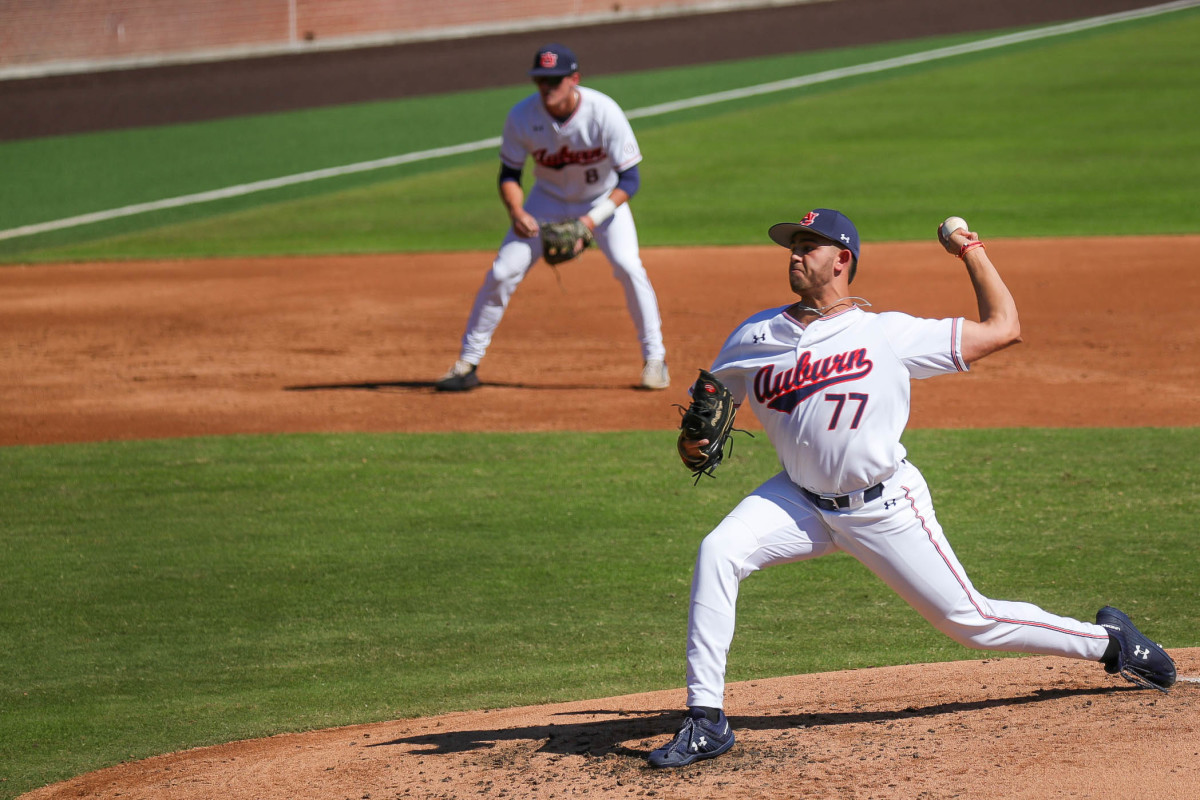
(968, 247)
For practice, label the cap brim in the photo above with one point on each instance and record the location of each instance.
(781, 234)
(551, 73)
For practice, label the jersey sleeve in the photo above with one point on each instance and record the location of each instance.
(622, 145)
(926, 347)
(512, 146)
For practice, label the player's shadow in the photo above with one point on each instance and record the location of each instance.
(402, 386)
(608, 736)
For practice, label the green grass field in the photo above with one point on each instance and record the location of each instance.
(161, 595)
(1059, 136)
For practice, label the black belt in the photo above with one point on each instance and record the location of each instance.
(844, 501)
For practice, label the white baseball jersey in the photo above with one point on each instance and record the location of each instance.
(833, 397)
(575, 161)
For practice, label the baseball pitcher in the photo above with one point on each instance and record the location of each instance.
(829, 381)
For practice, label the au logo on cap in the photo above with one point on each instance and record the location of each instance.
(809, 218)
(548, 61)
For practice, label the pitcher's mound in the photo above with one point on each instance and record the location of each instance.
(997, 728)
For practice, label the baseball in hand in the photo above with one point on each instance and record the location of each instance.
(951, 225)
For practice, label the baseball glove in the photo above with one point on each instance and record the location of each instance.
(564, 240)
(710, 416)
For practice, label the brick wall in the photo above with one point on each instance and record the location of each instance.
(48, 36)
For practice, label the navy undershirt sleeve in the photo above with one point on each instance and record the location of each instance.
(508, 173)
(629, 180)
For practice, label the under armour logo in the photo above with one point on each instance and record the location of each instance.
(701, 742)
(845, 238)
(758, 338)
(890, 503)
(1141, 652)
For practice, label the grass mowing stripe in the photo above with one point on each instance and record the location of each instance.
(886, 65)
(246, 188)
(1047, 157)
(159, 595)
(638, 113)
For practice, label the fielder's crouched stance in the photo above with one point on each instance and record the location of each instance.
(830, 384)
(585, 170)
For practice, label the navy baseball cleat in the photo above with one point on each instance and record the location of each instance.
(697, 739)
(460, 378)
(1140, 660)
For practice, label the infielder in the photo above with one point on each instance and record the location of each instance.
(585, 160)
(829, 382)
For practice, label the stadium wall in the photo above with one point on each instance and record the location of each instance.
(49, 37)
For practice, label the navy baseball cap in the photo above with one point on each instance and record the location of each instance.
(554, 61)
(825, 222)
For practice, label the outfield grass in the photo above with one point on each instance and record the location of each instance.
(165, 594)
(1059, 136)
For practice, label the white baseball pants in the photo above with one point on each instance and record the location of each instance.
(616, 238)
(898, 538)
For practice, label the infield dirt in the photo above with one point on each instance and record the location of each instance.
(190, 348)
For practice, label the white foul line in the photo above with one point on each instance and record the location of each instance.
(246, 188)
(648, 111)
(914, 58)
